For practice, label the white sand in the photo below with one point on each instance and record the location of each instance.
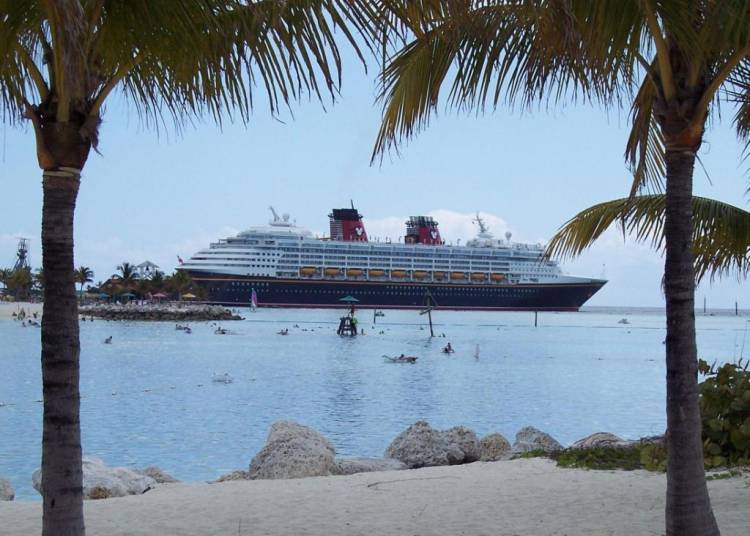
(522, 497)
(8, 308)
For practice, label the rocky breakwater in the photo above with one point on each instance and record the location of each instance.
(159, 312)
(293, 450)
(420, 445)
(103, 482)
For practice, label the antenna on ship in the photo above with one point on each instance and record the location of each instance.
(275, 215)
(479, 221)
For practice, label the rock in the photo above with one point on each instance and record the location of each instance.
(100, 481)
(234, 475)
(494, 447)
(293, 451)
(6, 490)
(420, 445)
(529, 438)
(157, 474)
(350, 466)
(466, 440)
(599, 439)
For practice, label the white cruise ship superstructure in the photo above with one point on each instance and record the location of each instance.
(283, 265)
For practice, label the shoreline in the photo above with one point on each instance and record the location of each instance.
(522, 497)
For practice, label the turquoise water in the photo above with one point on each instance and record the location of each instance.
(149, 398)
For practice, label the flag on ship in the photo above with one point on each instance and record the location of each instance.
(253, 299)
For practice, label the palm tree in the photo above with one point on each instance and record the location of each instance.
(127, 275)
(175, 60)
(721, 232)
(83, 275)
(157, 281)
(673, 61)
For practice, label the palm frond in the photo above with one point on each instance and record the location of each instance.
(519, 52)
(645, 147)
(180, 59)
(721, 232)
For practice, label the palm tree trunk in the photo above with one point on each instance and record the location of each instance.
(62, 476)
(688, 511)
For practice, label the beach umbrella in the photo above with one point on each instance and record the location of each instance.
(160, 295)
(103, 295)
(189, 296)
(349, 299)
(127, 295)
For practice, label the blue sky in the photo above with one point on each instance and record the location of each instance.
(150, 196)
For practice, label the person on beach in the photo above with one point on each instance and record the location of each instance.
(108, 340)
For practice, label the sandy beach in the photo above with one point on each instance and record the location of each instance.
(8, 308)
(520, 497)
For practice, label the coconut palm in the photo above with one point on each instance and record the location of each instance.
(172, 60)
(671, 60)
(83, 275)
(127, 275)
(157, 281)
(721, 232)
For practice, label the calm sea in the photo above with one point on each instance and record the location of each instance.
(148, 398)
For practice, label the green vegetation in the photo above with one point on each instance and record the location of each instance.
(725, 414)
(644, 455)
(648, 456)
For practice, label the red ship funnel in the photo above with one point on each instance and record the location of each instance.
(423, 230)
(346, 224)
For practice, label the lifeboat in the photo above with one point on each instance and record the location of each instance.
(354, 272)
(420, 274)
(376, 272)
(438, 275)
(458, 275)
(308, 270)
(497, 277)
(478, 276)
(332, 271)
(398, 273)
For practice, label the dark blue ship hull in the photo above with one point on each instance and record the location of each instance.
(236, 291)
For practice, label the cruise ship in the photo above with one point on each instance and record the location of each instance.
(283, 265)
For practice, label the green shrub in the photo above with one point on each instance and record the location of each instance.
(725, 414)
(644, 455)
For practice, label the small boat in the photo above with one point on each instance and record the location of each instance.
(478, 276)
(354, 272)
(401, 359)
(376, 272)
(399, 273)
(497, 276)
(221, 331)
(623, 321)
(222, 378)
(458, 275)
(308, 270)
(420, 274)
(332, 271)
(438, 275)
